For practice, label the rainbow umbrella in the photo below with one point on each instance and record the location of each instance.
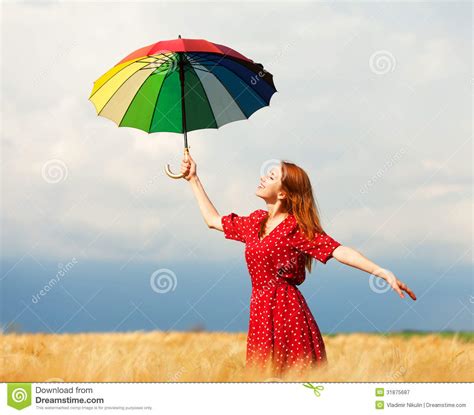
(182, 85)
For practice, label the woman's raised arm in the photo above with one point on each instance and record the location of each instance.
(209, 212)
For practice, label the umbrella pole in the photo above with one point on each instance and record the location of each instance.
(183, 113)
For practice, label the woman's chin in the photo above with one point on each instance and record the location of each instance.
(258, 193)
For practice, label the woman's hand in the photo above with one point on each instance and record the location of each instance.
(397, 285)
(188, 168)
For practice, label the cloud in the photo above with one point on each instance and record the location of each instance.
(333, 115)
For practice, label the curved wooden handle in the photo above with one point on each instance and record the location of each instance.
(180, 175)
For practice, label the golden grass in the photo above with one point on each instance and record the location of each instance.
(220, 357)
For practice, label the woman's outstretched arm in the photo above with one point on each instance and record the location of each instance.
(209, 212)
(353, 258)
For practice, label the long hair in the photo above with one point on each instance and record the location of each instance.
(300, 202)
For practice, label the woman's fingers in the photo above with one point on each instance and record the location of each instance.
(407, 290)
(402, 286)
(399, 291)
(188, 166)
(394, 283)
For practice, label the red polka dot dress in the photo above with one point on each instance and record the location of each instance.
(282, 330)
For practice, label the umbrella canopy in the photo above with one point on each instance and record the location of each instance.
(182, 85)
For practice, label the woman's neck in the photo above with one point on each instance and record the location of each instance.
(276, 212)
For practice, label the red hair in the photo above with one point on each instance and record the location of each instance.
(300, 202)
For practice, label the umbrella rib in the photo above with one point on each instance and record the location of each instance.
(158, 59)
(205, 62)
(208, 102)
(253, 64)
(203, 69)
(243, 80)
(126, 66)
(189, 90)
(196, 58)
(135, 95)
(202, 60)
(120, 84)
(234, 99)
(108, 80)
(156, 103)
(118, 88)
(158, 95)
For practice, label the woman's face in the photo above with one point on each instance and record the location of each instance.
(269, 187)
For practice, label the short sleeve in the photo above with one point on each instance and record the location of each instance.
(235, 227)
(320, 247)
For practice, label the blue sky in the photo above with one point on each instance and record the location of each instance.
(374, 101)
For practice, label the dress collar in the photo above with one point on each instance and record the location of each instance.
(290, 222)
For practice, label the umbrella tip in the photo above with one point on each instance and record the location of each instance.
(179, 36)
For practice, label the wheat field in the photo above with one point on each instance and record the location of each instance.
(220, 357)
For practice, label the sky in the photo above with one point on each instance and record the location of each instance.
(374, 101)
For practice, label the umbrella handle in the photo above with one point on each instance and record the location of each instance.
(168, 170)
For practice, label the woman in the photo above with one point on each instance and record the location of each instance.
(279, 243)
